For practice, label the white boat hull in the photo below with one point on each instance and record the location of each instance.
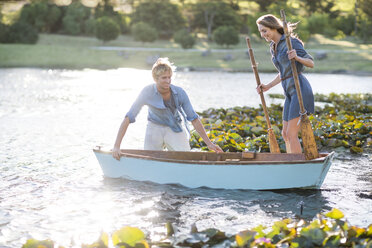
(260, 175)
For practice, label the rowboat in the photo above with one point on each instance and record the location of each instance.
(229, 170)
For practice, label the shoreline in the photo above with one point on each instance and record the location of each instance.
(192, 69)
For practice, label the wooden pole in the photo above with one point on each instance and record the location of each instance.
(308, 140)
(274, 148)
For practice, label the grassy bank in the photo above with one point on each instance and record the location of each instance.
(60, 51)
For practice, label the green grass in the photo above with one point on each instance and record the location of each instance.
(72, 52)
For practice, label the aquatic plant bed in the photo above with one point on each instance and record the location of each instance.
(344, 122)
(326, 230)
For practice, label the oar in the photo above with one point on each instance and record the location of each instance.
(308, 140)
(274, 148)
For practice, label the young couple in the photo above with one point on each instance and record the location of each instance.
(169, 104)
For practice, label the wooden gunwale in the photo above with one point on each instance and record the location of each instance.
(211, 158)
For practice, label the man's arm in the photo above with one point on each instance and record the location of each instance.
(122, 130)
(200, 129)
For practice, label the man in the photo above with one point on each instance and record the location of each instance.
(166, 104)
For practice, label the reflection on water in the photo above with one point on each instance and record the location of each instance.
(52, 187)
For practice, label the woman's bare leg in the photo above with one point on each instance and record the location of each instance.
(292, 136)
(285, 136)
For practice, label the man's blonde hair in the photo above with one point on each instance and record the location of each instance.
(160, 66)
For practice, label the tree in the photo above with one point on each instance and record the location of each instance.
(22, 32)
(264, 4)
(104, 8)
(107, 29)
(41, 15)
(184, 38)
(365, 21)
(163, 15)
(366, 7)
(211, 15)
(320, 6)
(226, 35)
(144, 32)
(75, 17)
(4, 33)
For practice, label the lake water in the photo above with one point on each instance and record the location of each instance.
(51, 185)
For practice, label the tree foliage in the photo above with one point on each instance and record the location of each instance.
(104, 8)
(184, 38)
(107, 29)
(366, 7)
(163, 15)
(211, 15)
(41, 15)
(226, 35)
(317, 16)
(22, 32)
(144, 32)
(320, 6)
(74, 20)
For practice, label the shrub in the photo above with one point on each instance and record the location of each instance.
(90, 26)
(318, 23)
(41, 15)
(345, 23)
(144, 32)
(122, 21)
(104, 8)
(21, 32)
(226, 35)
(184, 38)
(75, 17)
(163, 15)
(365, 31)
(209, 15)
(4, 33)
(107, 29)
(71, 26)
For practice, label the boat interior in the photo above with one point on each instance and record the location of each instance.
(208, 157)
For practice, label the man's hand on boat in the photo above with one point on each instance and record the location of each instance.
(116, 153)
(214, 147)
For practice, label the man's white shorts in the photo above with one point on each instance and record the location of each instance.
(159, 137)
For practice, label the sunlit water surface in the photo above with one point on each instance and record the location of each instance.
(52, 187)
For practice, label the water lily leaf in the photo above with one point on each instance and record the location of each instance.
(257, 130)
(356, 149)
(102, 242)
(355, 232)
(244, 237)
(358, 125)
(236, 137)
(260, 231)
(335, 214)
(332, 241)
(369, 231)
(334, 143)
(315, 235)
(129, 235)
(142, 244)
(33, 243)
(170, 229)
(345, 144)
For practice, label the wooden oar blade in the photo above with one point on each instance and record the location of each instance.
(274, 147)
(308, 139)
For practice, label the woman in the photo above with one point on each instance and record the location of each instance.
(271, 29)
(166, 104)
